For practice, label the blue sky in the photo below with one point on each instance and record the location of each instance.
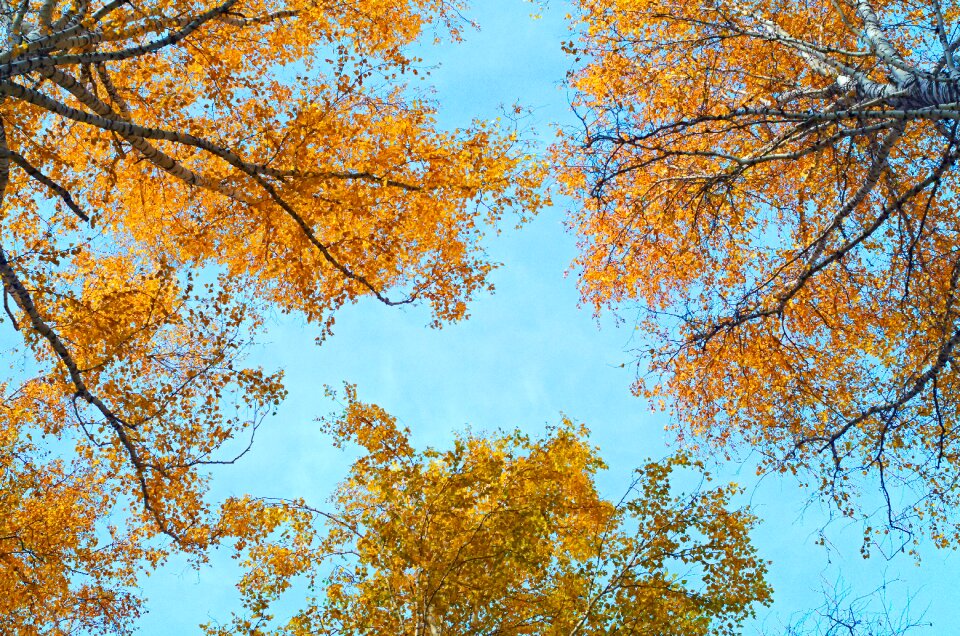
(526, 355)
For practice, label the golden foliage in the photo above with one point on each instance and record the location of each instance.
(170, 171)
(499, 534)
(775, 181)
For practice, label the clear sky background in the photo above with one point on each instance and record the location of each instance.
(527, 354)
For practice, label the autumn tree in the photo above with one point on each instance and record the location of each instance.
(172, 171)
(775, 182)
(499, 534)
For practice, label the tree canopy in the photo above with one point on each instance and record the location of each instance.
(501, 534)
(775, 183)
(169, 171)
(773, 180)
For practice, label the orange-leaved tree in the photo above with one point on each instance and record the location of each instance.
(169, 170)
(776, 182)
(499, 534)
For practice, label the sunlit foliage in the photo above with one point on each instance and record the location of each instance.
(171, 172)
(500, 534)
(775, 182)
